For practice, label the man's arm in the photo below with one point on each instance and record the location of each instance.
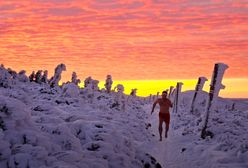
(154, 104)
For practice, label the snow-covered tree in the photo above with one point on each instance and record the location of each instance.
(12, 73)
(120, 88)
(120, 97)
(38, 76)
(91, 88)
(32, 77)
(74, 78)
(57, 75)
(108, 83)
(133, 92)
(87, 81)
(22, 76)
(95, 85)
(6, 79)
(44, 78)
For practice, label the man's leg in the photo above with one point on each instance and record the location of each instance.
(160, 128)
(167, 129)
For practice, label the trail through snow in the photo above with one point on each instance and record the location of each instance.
(170, 151)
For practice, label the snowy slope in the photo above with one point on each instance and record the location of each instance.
(53, 127)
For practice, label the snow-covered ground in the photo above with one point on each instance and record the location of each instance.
(184, 148)
(70, 127)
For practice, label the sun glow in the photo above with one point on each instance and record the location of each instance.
(235, 88)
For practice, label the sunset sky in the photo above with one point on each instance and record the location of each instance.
(129, 39)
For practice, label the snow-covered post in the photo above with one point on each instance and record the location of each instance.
(154, 98)
(38, 76)
(177, 97)
(44, 77)
(74, 78)
(157, 95)
(57, 75)
(198, 88)
(150, 98)
(108, 83)
(145, 100)
(233, 106)
(170, 91)
(215, 86)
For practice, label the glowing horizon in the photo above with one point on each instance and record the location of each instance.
(129, 39)
(234, 87)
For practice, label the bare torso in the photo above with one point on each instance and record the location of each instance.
(164, 104)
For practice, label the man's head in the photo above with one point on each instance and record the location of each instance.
(164, 94)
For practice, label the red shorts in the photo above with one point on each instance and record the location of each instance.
(165, 117)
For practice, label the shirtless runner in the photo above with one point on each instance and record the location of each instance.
(164, 114)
